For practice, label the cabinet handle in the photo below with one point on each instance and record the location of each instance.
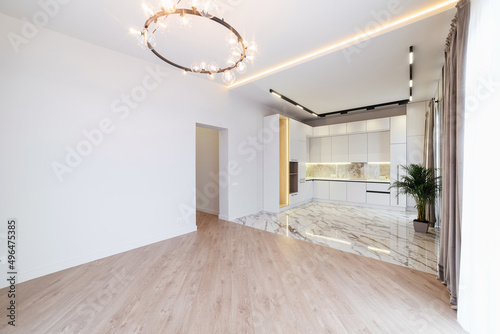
(397, 189)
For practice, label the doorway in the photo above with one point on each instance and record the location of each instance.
(211, 162)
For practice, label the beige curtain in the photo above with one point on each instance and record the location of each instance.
(430, 211)
(452, 150)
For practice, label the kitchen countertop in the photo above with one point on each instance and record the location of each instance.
(347, 180)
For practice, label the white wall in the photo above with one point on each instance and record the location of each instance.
(137, 185)
(207, 170)
(415, 133)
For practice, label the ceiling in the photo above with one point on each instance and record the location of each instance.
(372, 72)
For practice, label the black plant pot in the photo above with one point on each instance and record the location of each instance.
(420, 226)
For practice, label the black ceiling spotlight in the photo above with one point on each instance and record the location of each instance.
(372, 107)
(275, 93)
(411, 73)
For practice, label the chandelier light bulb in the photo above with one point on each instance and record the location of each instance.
(195, 4)
(184, 73)
(184, 21)
(148, 10)
(230, 62)
(169, 5)
(203, 66)
(142, 38)
(213, 67)
(196, 68)
(228, 77)
(151, 42)
(241, 68)
(211, 76)
(231, 39)
(207, 8)
(251, 46)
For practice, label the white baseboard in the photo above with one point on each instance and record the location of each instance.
(209, 211)
(24, 276)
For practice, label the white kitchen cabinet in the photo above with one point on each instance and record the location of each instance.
(356, 127)
(322, 190)
(315, 150)
(326, 149)
(379, 124)
(338, 129)
(379, 147)
(309, 131)
(356, 192)
(302, 172)
(398, 159)
(398, 129)
(321, 131)
(358, 148)
(340, 149)
(338, 191)
(293, 150)
(309, 190)
(378, 193)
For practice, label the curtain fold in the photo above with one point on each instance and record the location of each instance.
(452, 150)
(430, 212)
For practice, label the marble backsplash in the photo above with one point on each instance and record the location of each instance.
(355, 170)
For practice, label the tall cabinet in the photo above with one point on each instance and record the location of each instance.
(285, 157)
(398, 157)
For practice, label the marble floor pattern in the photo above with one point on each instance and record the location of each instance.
(376, 233)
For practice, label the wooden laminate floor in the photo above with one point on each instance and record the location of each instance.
(229, 278)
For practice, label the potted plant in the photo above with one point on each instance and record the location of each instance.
(424, 186)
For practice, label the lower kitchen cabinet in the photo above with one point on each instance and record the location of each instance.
(322, 190)
(338, 191)
(356, 192)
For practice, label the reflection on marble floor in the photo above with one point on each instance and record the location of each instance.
(376, 233)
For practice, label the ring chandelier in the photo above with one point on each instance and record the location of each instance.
(241, 51)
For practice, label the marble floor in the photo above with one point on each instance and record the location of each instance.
(376, 233)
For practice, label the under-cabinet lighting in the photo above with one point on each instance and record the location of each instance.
(328, 163)
(380, 163)
(411, 83)
(379, 250)
(328, 238)
(300, 107)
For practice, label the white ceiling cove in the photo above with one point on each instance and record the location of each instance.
(372, 72)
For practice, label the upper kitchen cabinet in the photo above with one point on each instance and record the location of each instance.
(338, 129)
(340, 148)
(379, 147)
(356, 127)
(358, 148)
(321, 131)
(326, 149)
(315, 150)
(379, 124)
(398, 129)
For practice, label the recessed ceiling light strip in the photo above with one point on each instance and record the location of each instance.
(293, 102)
(434, 10)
